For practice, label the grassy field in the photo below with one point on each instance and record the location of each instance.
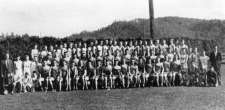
(170, 98)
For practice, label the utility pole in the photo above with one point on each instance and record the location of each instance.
(151, 19)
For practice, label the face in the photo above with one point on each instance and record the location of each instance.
(64, 63)
(35, 58)
(18, 58)
(85, 45)
(35, 46)
(71, 45)
(183, 41)
(96, 42)
(151, 42)
(121, 43)
(106, 42)
(51, 47)
(171, 41)
(196, 50)
(7, 56)
(203, 52)
(110, 42)
(65, 45)
(27, 58)
(140, 42)
(146, 42)
(115, 43)
(157, 41)
(79, 43)
(125, 43)
(75, 45)
(101, 42)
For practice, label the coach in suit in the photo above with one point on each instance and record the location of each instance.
(7, 72)
(215, 59)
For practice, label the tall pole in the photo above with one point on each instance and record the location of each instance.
(151, 19)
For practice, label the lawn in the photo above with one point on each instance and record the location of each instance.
(157, 98)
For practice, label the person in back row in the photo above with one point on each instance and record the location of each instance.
(215, 59)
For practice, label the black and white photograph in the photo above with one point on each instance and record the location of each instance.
(112, 54)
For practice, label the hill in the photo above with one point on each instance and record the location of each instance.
(208, 33)
(166, 27)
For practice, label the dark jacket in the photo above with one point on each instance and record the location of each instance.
(6, 69)
(215, 60)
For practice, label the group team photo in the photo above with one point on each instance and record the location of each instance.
(112, 54)
(110, 64)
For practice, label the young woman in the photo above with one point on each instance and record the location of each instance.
(134, 72)
(110, 57)
(27, 83)
(55, 73)
(195, 64)
(124, 73)
(142, 71)
(116, 74)
(100, 74)
(183, 46)
(82, 68)
(27, 66)
(184, 67)
(176, 68)
(164, 47)
(108, 74)
(74, 75)
(92, 73)
(18, 73)
(47, 76)
(64, 70)
(172, 45)
(166, 73)
(159, 69)
(127, 57)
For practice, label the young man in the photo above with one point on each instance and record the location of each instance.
(34, 52)
(215, 59)
(204, 59)
(44, 53)
(7, 71)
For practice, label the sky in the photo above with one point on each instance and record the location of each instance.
(62, 18)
